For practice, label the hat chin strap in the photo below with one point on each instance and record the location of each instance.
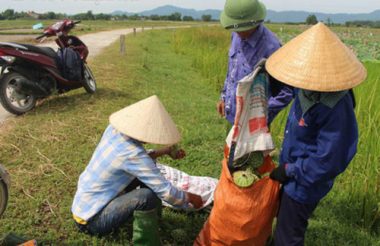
(245, 24)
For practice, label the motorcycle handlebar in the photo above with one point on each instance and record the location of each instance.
(45, 34)
(41, 36)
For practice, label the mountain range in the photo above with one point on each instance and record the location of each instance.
(273, 16)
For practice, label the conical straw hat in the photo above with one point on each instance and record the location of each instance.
(146, 121)
(317, 60)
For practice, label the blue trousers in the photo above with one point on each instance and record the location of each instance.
(292, 221)
(120, 210)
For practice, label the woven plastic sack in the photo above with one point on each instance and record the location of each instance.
(250, 131)
(244, 216)
(202, 186)
(241, 216)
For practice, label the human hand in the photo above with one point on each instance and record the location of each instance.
(279, 174)
(176, 153)
(220, 108)
(195, 200)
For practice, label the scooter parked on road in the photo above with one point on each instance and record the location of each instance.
(29, 72)
(4, 186)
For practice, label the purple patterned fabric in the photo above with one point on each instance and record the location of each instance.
(243, 57)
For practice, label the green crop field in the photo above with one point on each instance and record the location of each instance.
(46, 150)
(25, 26)
(21, 30)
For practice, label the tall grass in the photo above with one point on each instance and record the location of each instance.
(364, 174)
(358, 187)
(207, 49)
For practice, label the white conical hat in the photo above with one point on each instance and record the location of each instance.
(317, 60)
(146, 121)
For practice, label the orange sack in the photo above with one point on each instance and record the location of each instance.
(241, 216)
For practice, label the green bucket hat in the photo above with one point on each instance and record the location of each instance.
(242, 15)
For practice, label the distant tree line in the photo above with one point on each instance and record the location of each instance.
(312, 20)
(373, 24)
(172, 17)
(10, 14)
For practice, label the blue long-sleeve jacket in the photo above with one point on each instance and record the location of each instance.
(318, 146)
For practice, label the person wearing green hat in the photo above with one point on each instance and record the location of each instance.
(251, 42)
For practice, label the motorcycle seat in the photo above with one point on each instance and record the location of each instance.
(42, 50)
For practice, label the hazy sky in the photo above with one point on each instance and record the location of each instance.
(106, 6)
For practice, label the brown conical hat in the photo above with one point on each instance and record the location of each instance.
(146, 121)
(317, 60)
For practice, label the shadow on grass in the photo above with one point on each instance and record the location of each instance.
(72, 100)
(176, 228)
(181, 228)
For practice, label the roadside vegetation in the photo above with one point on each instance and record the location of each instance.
(46, 150)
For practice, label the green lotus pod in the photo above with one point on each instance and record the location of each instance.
(244, 178)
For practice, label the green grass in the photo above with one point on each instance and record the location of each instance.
(46, 150)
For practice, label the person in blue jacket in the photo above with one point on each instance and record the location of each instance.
(321, 133)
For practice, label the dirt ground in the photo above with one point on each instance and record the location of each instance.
(16, 38)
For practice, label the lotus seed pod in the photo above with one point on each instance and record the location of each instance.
(244, 178)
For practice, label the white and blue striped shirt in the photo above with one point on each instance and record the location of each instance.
(116, 162)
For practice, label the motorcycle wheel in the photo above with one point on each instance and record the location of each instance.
(12, 101)
(89, 82)
(3, 196)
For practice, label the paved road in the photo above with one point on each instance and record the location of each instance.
(96, 42)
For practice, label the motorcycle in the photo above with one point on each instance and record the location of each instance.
(29, 72)
(4, 185)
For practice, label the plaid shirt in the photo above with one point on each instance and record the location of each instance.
(116, 162)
